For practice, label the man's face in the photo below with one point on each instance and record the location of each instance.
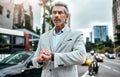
(58, 15)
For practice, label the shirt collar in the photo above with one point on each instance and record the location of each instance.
(54, 33)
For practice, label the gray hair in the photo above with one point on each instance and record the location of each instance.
(61, 4)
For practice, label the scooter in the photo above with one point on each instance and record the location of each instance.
(93, 67)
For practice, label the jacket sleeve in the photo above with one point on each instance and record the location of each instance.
(36, 64)
(75, 57)
(34, 61)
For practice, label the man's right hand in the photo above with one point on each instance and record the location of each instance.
(44, 56)
(40, 58)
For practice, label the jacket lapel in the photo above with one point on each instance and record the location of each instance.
(51, 40)
(65, 33)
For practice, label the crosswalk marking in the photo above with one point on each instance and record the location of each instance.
(86, 75)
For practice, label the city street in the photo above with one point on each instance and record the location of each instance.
(60, 32)
(109, 68)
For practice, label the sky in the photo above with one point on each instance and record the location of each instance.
(84, 14)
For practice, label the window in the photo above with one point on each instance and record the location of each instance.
(1, 8)
(4, 39)
(16, 58)
(19, 40)
(8, 14)
(4, 43)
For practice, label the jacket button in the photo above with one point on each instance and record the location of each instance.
(61, 65)
(50, 70)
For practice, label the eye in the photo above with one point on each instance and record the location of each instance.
(54, 12)
(60, 12)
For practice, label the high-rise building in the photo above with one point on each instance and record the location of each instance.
(116, 14)
(91, 37)
(6, 13)
(100, 33)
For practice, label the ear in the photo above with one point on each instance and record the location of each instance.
(67, 16)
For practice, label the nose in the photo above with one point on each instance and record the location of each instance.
(56, 15)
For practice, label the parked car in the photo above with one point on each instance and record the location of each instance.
(111, 56)
(19, 65)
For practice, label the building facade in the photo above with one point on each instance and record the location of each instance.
(100, 33)
(23, 15)
(14, 15)
(6, 13)
(116, 14)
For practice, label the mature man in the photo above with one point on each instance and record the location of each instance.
(60, 49)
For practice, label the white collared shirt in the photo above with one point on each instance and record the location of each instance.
(56, 38)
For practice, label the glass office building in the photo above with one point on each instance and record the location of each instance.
(100, 33)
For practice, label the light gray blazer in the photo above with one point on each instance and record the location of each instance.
(70, 52)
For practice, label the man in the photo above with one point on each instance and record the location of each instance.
(60, 49)
(94, 66)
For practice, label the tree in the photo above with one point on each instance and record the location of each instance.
(117, 35)
(89, 45)
(117, 49)
(108, 43)
(46, 13)
(99, 45)
(37, 31)
(107, 49)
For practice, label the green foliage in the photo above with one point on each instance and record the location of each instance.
(88, 46)
(105, 49)
(108, 49)
(108, 43)
(37, 31)
(47, 15)
(117, 49)
(117, 35)
(101, 47)
(98, 51)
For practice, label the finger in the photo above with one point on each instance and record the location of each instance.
(46, 52)
(45, 57)
(40, 59)
(41, 52)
